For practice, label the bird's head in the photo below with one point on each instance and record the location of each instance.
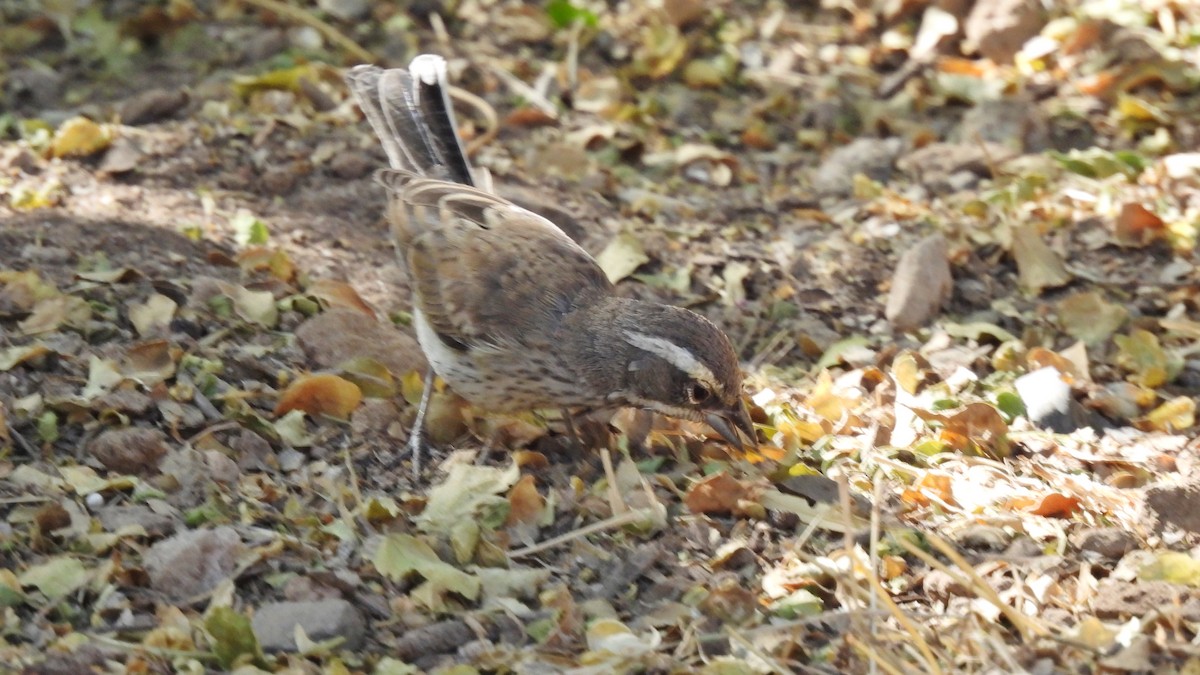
(680, 364)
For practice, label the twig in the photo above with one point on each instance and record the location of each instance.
(875, 658)
(299, 15)
(163, 652)
(531, 95)
(588, 530)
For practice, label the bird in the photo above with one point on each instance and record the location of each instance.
(510, 312)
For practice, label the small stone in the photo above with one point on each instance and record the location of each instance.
(131, 450)
(280, 180)
(222, 469)
(1111, 542)
(1000, 28)
(123, 156)
(351, 165)
(340, 334)
(987, 538)
(1175, 504)
(275, 624)
(194, 562)
(921, 284)
(873, 157)
(114, 518)
(151, 105)
(252, 451)
(374, 416)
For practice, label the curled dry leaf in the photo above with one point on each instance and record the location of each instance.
(320, 394)
(699, 162)
(1055, 505)
(525, 505)
(977, 427)
(1136, 226)
(339, 294)
(274, 261)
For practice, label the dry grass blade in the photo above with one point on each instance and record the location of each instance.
(875, 658)
(332, 34)
(968, 577)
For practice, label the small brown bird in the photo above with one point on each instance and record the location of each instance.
(511, 312)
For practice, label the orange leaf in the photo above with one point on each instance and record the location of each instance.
(1056, 505)
(956, 66)
(718, 493)
(321, 394)
(525, 505)
(1097, 85)
(930, 486)
(1138, 226)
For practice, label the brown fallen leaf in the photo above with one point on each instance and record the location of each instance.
(525, 505)
(320, 394)
(718, 493)
(1136, 226)
(339, 294)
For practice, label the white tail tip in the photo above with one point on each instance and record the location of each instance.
(428, 69)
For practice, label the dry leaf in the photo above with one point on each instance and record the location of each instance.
(525, 505)
(320, 394)
(718, 493)
(1056, 505)
(1136, 226)
(622, 256)
(1038, 266)
(930, 486)
(79, 137)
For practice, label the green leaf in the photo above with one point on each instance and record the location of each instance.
(233, 638)
(1010, 404)
(248, 229)
(564, 14)
(47, 427)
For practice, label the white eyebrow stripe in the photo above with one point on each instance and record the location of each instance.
(672, 354)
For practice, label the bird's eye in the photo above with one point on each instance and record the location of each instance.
(697, 393)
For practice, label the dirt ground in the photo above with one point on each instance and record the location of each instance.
(958, 268)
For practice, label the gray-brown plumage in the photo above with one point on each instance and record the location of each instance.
(511, 312)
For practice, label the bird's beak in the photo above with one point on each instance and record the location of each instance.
(729, 422)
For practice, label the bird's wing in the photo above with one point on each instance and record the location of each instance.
(486, 271)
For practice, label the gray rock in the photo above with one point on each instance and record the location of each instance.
(194, 562)
(1111, 542)
(114, 518)
(275, 623)
(129, 450)
(921, 285)
(873, 157)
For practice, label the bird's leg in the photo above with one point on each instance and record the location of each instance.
(416, 437)
(615, 501)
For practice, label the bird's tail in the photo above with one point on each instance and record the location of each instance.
(411, 114)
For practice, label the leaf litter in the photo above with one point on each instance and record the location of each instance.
(998, 476)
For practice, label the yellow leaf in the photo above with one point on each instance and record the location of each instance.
(79, 137)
